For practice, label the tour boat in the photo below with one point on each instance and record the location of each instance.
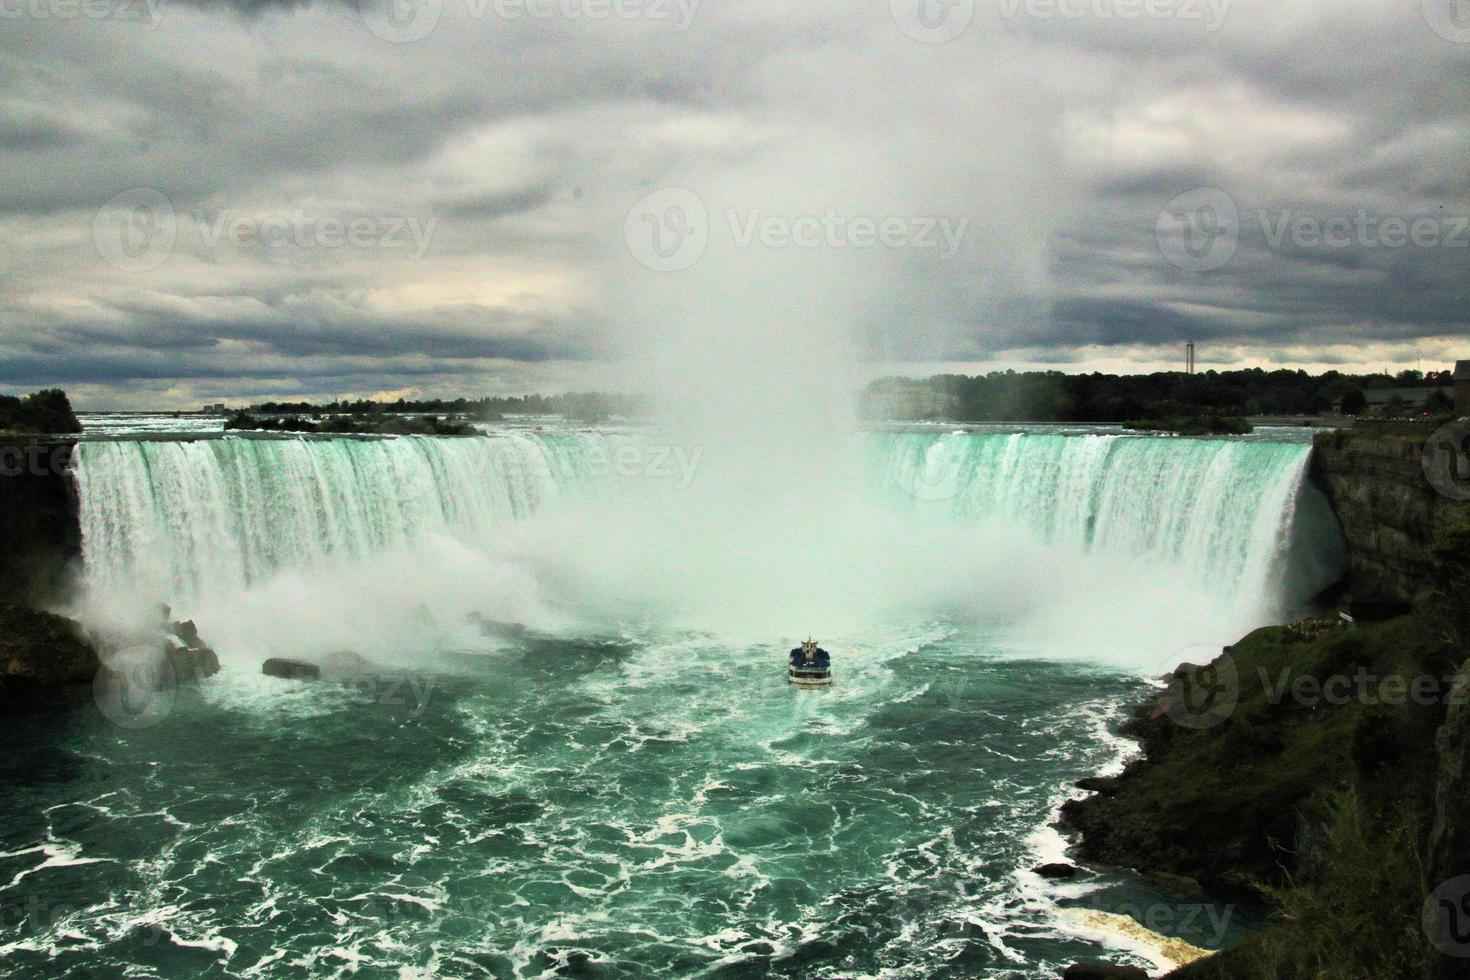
(809, 666)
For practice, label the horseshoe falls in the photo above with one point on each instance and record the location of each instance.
(622, 784)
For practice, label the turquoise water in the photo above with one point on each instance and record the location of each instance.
(562, 808)
(616, 793)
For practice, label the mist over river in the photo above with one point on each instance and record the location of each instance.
(576, 753)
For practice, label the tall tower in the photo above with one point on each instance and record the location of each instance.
(1189, 358)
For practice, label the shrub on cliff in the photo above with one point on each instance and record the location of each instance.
(46, 412)
(1360, 920)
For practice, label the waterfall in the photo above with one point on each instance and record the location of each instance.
(182, 516)
(1234, 514)
(223, 513)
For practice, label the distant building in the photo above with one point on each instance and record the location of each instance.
(1462, 387)
(218, 408)
(896, 398)
(1407, 397)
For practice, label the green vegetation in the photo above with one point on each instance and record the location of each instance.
(1360, 920)
(1199, 425)
(587, 406)
(46, 412)
(1224, 805)
(1051, 396)
(353, 425)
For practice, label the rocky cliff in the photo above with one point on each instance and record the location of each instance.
(1328, 767)
(1390, 514)
(40, 533)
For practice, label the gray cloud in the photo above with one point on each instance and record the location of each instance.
(522, 142)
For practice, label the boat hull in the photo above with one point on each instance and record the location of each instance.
(809, 678)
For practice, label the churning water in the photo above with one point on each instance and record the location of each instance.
(627, 787)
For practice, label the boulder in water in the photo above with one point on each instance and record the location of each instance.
(290, 669)
(345, 663)
(42, 656)
(1058, 870)
(1104, 971)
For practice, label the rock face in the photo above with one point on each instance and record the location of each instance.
(290, 669)
(1449, 839)
(43, 657)
(1389, 513)
(40, 532)
(1104, 971)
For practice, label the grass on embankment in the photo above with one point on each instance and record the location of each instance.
(1315, 790)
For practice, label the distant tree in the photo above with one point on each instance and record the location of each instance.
(1354, 402)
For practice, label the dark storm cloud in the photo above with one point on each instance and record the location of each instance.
(519, 143)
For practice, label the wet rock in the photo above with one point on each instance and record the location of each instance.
(1057, 870)
(1098, 784)
(290, 669)
(42, 657)
(1104, 971)
(345, 663)
(193, 664)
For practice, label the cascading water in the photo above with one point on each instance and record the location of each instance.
(631, 794)
(1224, 512)
(223, 514)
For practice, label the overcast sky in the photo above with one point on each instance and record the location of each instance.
(228, 200)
